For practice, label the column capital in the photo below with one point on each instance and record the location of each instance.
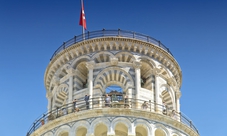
(113, 61)
(49, 94)
(170, 81)
(56, 80)
(70, 70)
(178, 94)
(90, 65)
(156, 71)
(136, 64)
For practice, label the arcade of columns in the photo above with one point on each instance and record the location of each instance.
(107, 61)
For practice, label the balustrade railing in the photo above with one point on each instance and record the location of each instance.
(110, 33)
(99, 103)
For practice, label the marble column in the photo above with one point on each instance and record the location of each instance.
(132, 130)
(137, 65)
(49, 98)
(158, 102)
(178, 95)
(70, 94)
(55, 83)
(90, 66)
(152, 103)
(111, 132)
(70, 72)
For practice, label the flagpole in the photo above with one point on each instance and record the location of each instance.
(82, 5)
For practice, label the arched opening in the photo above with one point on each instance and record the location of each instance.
(81, 78)
(121, 130)
(115, 97)
(102, 57)
(48, 134)
(146, 75)
(101, 130)
(141, 131)
(113, 76)
(167, 102)
(64, 134)
(159, 132)
(81, 131)
(61, 96)
(125, 57)
(115, 92)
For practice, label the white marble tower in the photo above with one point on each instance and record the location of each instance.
(147, 73)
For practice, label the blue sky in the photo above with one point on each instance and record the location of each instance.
(194, 30)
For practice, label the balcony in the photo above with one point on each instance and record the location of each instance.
(110, 33)
(117, 104)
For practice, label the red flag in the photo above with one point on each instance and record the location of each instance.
(82, 17)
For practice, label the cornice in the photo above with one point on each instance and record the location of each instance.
(83, 115)
(134, 45)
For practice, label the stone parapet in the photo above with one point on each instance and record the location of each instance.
(110, 114)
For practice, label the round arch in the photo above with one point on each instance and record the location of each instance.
(121, 129)
(125, 57)
(60, 96)
(144, 124)
(167, 96)
(81, 127)
(100, 130)
(176, 134)
(63, 131)
(81, 131)
(161, 130)
(79, 60)
(49, 134)
(122, 121)
(148, 60)
(115, 83)
(113, 75)
(164, 71)
(103, 56)
(98, 121)
(65, 67)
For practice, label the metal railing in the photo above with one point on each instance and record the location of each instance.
(99, 103)
(110, 33)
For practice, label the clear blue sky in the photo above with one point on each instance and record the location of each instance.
(195, 31)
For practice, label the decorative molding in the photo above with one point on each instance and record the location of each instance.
(136, 64)
(154, 119)
(117, 42)
(90, 65)
(56, 80)
(114, 61)
(178, 94)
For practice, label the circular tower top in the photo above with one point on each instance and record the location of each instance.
(113, 82)
(115, 40)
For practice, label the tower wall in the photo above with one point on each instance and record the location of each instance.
(148, 75)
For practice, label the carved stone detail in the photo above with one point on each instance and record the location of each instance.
(49, 94)
(178, 94)
(114, 61)
(136, 64)
(90, 65)
(56, 80)
(70, 70)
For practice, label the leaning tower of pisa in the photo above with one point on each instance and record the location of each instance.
(113, 83)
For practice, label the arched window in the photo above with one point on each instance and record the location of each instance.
(141, 131)
(64, 134)
(115, 92)
(159, 132)
(81, 131)
(101, 130)
(121, 130)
